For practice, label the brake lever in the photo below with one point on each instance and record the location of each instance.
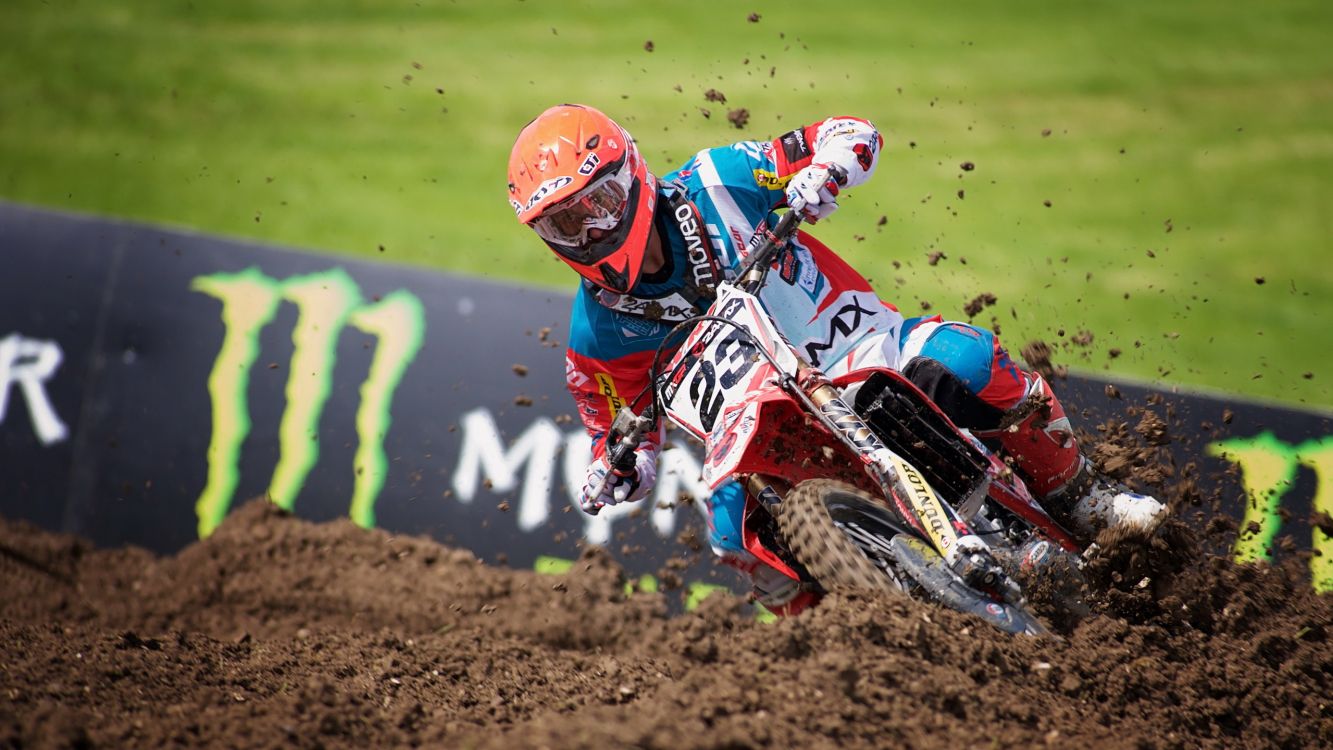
(620, 451)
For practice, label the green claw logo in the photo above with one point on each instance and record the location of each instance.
(1268, 467)
(327, 302)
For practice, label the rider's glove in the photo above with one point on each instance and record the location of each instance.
(814, 190)
(618, 488)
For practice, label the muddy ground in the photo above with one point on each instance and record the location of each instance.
(276, 632)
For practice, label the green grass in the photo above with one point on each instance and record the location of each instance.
(297, 123)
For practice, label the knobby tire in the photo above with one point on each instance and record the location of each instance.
(831, 557)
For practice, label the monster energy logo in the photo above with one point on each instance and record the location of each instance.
(1269, 467)
(327, 302)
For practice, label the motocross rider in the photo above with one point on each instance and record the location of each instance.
(651, 252)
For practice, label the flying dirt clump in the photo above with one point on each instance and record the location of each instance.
(1037, 354)
(978, 303)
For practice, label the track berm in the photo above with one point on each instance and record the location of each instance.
(276, 632)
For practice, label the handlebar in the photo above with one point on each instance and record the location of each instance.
(631, 427)
(620, 451)
(620, 454)
(773, 240)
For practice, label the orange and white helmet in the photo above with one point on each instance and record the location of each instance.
(578, 180)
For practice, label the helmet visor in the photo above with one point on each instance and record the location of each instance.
(568, 225)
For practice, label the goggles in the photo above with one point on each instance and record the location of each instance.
(601, 206)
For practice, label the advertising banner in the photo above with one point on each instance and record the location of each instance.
(53, 277)
(153, 379)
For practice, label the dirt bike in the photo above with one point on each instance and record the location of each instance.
(857, 482)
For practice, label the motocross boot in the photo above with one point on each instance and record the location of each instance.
(1091, 502)
(779, 593)
(1038, 436)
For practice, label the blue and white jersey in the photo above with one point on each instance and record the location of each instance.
(708, 213)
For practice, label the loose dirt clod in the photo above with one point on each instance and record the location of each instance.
(1038, 356)
(978, 303)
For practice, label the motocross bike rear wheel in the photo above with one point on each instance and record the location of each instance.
(806, 517)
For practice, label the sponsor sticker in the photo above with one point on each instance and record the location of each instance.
(721, 449)
(794, 146)
(703, 274)
(788, 265)
(810, 280)
(925, 504)
(771, 180)
(547, 188)
(589, 164)
(607, 387)
(844, 325)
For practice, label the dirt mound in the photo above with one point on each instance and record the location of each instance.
(278, 632)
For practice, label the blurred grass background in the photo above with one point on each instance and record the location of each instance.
(1155, 173)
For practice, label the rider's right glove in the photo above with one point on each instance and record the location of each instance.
(814, 190)
(618, 488)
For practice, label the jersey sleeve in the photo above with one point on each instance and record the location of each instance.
(755, 174)
(850, 142)
(605, 368)
(739, 185)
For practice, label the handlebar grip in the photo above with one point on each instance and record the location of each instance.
(783, 230)
(623, 462)
(786, 226)
(622, 459)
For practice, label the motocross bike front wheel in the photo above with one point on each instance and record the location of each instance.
(847, 538)
(826, 538)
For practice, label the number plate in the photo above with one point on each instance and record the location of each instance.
(719, 365)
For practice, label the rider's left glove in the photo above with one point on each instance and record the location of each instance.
(618, 488)
(814, 190)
